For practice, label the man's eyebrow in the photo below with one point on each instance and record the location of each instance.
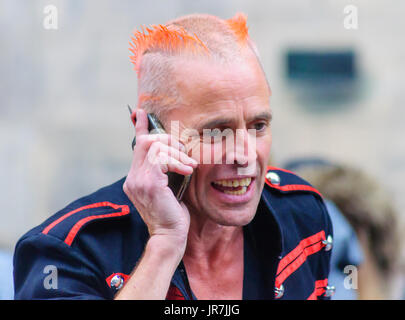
(216, 123)
(262, 116)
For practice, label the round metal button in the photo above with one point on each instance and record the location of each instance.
(117, 282)
(330, 291)
(328, 243)
(273, 177)
(279, 292)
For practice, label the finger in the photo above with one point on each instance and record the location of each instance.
(144, 144)
(160, 149)
(169, 164)
(180, 156)
(142, 138)
(141, 126)
(165, 139)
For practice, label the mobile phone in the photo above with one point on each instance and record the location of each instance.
(177, 182)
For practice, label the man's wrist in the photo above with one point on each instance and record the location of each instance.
(167, 247)
(151, 277)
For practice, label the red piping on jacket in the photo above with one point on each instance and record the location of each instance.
(293, 260)
(290, 187)
(319, 289)
(294, 187)
(280, 169)
(72, 234)
(124, 210)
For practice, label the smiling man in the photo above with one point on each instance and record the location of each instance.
(242, 230)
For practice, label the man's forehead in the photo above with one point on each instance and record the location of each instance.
(209, 82)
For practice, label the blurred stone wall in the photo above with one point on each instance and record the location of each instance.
(64, 126)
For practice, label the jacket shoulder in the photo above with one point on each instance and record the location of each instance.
(107, 203)
(306, 234)
(287, 182)
(296, 203)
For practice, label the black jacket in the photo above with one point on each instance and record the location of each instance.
(88, 249)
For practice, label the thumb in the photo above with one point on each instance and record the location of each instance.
(184, 207)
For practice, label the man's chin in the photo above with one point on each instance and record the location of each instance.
(237, 217)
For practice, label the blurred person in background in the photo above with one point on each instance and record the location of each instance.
(6, 275)
(369, 210)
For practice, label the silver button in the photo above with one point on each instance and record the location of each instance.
(329, 291)
(279, 292)
(328, 243)
(117, 282)
(273, 177)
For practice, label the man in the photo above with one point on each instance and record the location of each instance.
(229, 237)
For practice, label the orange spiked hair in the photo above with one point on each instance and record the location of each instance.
(219, 39)
(239, 27)
(167, 39)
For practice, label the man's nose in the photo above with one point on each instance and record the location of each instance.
(244, 153)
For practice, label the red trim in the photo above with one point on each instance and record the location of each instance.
(123, 275)
(280, 169)
(319, 289)
(293, 260)
(73, 232)
(90, 206)
(174, 293)
(290, 187)
(299, 249)
(294, 187)
(313, 296)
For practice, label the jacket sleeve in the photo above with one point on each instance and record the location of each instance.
(46, 268)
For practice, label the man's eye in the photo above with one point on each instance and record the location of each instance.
(215, 135)
(215, 132)
(260, 126)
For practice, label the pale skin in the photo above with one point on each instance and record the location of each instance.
(205, 229)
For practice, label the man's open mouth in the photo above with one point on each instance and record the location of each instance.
(233, 186)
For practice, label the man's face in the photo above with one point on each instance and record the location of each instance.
(233, 98)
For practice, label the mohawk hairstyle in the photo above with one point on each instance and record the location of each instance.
(154, 50)
(161, 38)
(174, 38)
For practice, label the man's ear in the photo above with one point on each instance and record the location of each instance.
(132, 115)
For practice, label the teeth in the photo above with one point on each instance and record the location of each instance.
(234, 183)
(239, 192)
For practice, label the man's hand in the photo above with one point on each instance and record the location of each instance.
(167, 220)
(147, 183)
